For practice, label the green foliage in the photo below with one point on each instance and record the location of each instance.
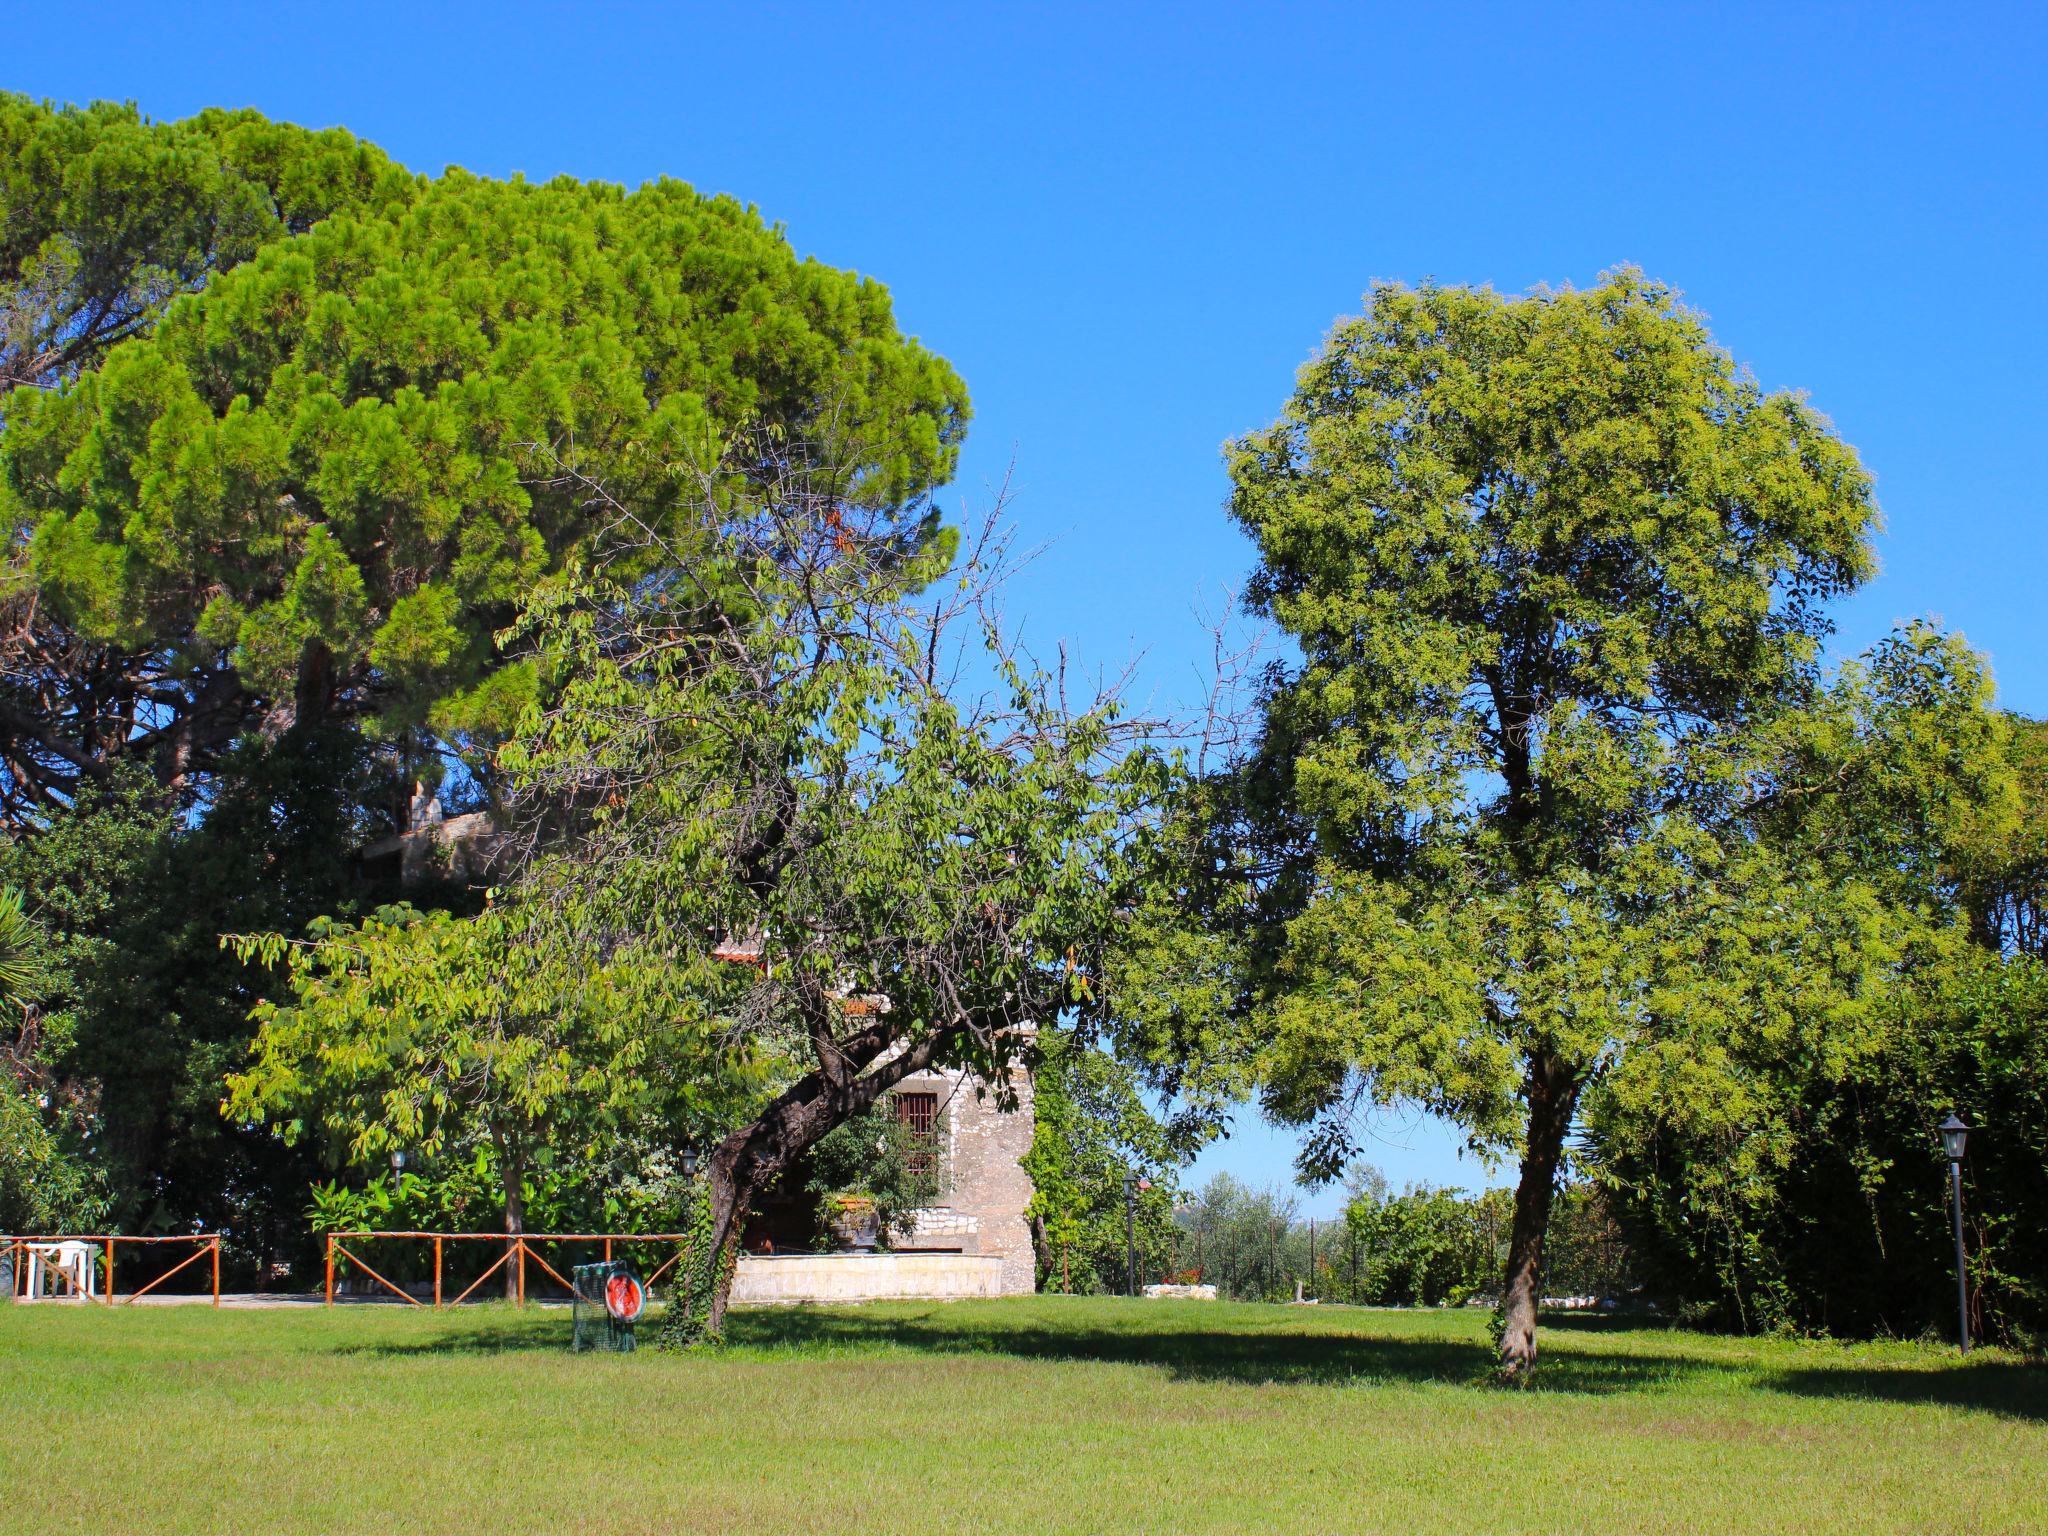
(1549, 560)
(1093, 1130)
(1788, 1189)
(309, 432)
(322, 484)
(1424, 1246)
(467, 1044)
(134, 1015)
(770, 746)
(17, 942)
(45, 1185)
(105, 216)
(1557, 570)
(877, 1164)
(1817, 1200)
(704, 1265)
(1246, 1242)
(42, 1189)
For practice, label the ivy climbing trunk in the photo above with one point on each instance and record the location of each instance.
(1553, 1093)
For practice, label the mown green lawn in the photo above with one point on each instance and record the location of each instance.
(1048, 1414)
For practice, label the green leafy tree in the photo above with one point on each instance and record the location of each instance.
(106, 216)
(319, 487)
(772, 831)
(1807, 1192)
(1557, 571)
(859, 866)
(304, 431)
(435, 1034)
(1242, 1240)
(134, 1015)
(1094, 1129)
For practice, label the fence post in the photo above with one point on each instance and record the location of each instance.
(437, 1269)
(330, 1269)
(216, 1269)
(110, 1269)
(522, 1271)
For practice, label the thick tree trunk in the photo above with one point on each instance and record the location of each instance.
(748, 1160)
(1553, 1093)
(729, 1205)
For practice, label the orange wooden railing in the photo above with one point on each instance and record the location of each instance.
(516, 1247)
(16, 1248)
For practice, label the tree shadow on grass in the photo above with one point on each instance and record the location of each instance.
(1250, 1356)
(2001, 1387)
(1330, 1357)
(545, 1336)
(1323, 1356)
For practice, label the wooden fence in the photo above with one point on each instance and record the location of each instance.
(517, 1248)
(16, 1250)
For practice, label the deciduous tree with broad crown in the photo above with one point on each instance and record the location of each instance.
(822, 837)
(1557, 571)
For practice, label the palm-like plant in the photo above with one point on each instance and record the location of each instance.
(16, 935)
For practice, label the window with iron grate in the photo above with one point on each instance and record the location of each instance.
(919, 1114)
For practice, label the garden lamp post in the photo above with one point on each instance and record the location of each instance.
(1953, 1135)
(1132, 1184)
(397, 1172)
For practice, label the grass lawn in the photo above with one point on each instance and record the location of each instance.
(1047, 1414)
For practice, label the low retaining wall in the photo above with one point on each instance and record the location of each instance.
(777, 1279)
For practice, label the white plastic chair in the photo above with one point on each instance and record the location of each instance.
(62, 1269)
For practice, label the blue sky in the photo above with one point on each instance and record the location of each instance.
(1128, 226)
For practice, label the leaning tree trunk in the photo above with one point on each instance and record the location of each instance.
(749, 1159)
(1553, 1090)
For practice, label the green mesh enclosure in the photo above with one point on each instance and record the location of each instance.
(608, 1302)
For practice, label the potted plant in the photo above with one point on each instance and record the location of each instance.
(853, 1220)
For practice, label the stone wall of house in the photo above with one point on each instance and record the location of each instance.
(986, 1187)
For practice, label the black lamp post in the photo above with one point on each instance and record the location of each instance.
(1132, 1184)
(397, 1171)
(1953, 1134)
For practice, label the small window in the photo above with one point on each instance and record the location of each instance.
(919, 1113)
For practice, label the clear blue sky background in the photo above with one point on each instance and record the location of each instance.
(1127, 227)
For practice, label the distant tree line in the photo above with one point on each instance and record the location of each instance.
(1423, 1246)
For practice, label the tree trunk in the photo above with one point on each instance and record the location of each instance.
(748, 1160)
(512, 1174)
(729, 1203)
(1553, 1093)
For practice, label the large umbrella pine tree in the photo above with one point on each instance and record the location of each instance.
(1557, 572)
(318, 489)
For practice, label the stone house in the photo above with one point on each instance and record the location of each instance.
(981, 1147)
(975, 1242)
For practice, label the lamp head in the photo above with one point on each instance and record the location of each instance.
(1953, 1134)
